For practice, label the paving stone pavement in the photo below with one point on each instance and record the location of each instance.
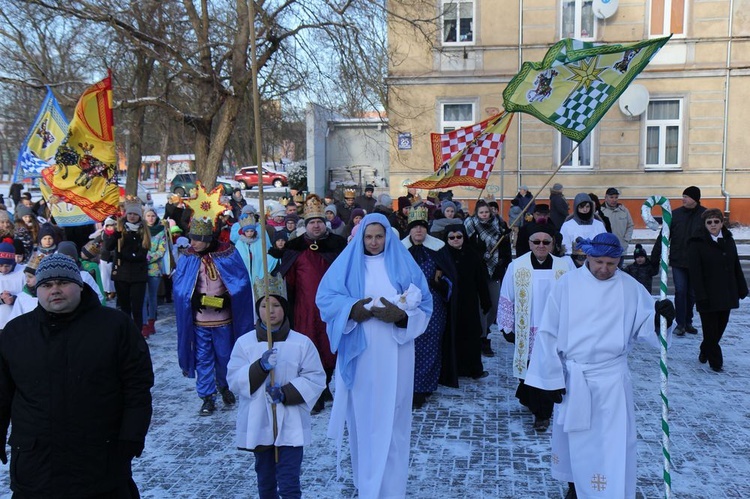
(472, 442)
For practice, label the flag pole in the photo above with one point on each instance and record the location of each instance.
(494, 248)
(261, 203)
(666, 211)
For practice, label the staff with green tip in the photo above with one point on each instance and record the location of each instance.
(652, 224)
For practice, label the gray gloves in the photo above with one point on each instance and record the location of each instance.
(389, 312)
(358, 312)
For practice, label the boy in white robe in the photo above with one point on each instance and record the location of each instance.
(26, 300)
(11, 281)
(375, 300)
(590, 323)
(298, 380)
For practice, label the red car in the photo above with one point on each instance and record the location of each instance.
(247, 177)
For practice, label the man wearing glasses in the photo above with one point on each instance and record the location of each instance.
(523, 294)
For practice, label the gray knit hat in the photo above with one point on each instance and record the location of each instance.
(58, 267)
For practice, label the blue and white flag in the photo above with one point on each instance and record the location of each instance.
(40, 145)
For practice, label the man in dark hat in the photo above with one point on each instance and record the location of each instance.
(520, 309)
(75, 382)
(686, 222)
(540, 215)
(621, 223)
(592, 318)
(399, 219)
(366, 201)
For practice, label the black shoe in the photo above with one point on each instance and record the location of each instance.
(679, 331)
(541, 425)
(418, 401)
(702, 358)
(487, 348)
(483, 374)
(319, 406)
(717, 369)
(208, 407)
(327, 395)
(571, 492)
(227, 396)
(690, 329)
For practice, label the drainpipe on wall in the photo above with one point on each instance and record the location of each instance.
(726, 115)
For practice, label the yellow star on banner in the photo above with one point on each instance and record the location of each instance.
(586, 73)
(206, 204)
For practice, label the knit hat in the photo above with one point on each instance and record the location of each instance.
(693, 193)
(182, 242)
(278, 212)
(385, 200)
(58, 267)
(47, 229)
(248, 209)
(91, 250)
(557, 187)
(68, 248)
(7, 254)
(403, 202)
(447, 204)
(332, 209)
(133, 205)
(547, 228)
(356, 212)
(369, 188)
(639, 251)
(291, 218)
(4, 216)
(109, 221)
(541, 208)
(23, 210)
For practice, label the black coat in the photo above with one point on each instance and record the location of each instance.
(715, 272)
(558, 209)
(685, 224)
(128, 256)
(77, 392)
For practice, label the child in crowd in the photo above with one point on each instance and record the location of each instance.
(26, 300)
(641, 269)
(48, 239)
(298, 380)
(11, 281)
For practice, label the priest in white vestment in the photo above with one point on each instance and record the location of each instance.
(523, 294)
(375, 300)
(592, 319)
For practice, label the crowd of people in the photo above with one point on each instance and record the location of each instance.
(369, 306)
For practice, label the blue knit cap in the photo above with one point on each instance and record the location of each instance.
(58, 267)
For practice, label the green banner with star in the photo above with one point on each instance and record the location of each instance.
(577, 82)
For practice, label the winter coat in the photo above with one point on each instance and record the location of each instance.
(77, 392)
(558, 209)
(715, 272)
(523, 201)
(129, 256)
(621, 223)
(685, 224)
(643, 273)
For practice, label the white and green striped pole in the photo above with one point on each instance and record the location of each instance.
(666, 211)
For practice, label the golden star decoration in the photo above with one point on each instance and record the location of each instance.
(206, 204)
(585, 73)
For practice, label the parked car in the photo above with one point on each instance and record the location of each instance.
(247, 177)
(183, 182)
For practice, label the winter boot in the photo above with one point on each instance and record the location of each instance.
(208, 407)
(227, 396)
(487, 348)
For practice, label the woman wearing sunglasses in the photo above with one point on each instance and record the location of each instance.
(718, 281)
(473, 295)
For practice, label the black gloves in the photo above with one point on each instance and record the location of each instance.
(196, 302)
(664, 308)
(389, 312)
(358, 312)
(129, 449)
(227, 303)
(554, 396)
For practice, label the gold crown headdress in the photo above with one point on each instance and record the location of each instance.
(283, 201)
(276, 286)
(314, 207)
(350, 193)
(201, 229)
(206, 205)
(33, 263)
(246, 221)
(418, 214)
(299, 198)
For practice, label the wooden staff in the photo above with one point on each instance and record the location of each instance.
(261, 204)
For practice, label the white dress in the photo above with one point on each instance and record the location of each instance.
(587, 330)
(377, 409)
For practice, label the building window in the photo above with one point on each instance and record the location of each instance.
(664, 134)
(581, 157)
(456, 115)
(667, 16)
(578, 19)
(458, 22)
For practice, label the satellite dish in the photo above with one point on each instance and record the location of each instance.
(634, 100)
(604, 8)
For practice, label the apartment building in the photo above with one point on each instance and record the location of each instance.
(450, 61)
